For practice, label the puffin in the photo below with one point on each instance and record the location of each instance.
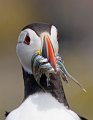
(43, 72)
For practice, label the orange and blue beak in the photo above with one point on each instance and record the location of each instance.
(48, 51)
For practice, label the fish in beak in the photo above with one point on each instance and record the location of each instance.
(46, 62)
(66, 76)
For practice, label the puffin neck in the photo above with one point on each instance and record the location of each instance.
(55, 86)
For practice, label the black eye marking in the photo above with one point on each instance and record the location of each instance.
(27, 40)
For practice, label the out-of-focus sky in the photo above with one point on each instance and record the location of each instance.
(74, 20)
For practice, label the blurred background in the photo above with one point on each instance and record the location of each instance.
(74, 20)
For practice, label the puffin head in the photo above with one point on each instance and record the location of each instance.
(39, 38)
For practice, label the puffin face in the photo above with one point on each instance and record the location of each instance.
(41, 38)
(37, 38)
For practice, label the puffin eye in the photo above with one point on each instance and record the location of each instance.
(27, 40)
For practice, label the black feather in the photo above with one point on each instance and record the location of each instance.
(6, 113)
(39, 27)
(82, 118)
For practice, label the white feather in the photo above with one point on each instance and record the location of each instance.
(25, 52)
(54, 39)
(42, 106)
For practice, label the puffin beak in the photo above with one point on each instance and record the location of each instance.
(48, 52)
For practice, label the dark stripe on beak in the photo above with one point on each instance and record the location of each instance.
(44, 49)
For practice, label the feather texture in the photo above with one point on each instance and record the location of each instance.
(42, 106)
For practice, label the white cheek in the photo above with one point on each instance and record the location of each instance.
(25, 54)
(54, 39)
(55, 45)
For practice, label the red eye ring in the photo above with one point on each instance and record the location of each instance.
(27, 40)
